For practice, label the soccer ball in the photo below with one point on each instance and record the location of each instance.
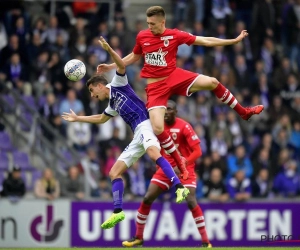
(75, 70)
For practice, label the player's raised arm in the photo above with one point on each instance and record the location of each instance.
(95, 119)
(213, 41)
(127, 60)
(116, 58)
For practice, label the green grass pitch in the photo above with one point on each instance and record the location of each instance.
(167, 248)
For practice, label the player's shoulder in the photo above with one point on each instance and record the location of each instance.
(143, 33)
(182, 122)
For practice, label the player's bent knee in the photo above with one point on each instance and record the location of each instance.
(214, 81)
(157, 129)
(114, 174)
(153, 153)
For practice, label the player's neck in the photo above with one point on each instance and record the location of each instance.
(107, 93)
(171, 123)
(162, 31)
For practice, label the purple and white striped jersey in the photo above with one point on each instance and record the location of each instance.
(124, 101)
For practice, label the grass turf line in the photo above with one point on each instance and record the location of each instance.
(164, 248)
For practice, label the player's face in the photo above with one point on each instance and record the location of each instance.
(156, 24)
(97, 91)
(170, 115)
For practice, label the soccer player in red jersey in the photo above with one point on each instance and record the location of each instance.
(188, 144)
(158, 46)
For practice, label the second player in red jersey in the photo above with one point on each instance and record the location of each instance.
(189, 144)
(158, 46)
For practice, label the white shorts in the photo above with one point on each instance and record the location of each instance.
(143, 138)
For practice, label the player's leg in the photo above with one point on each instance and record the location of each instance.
(203, 82)
(198, 216)
(157, 122)
(129, 156)
(154, 154)
(152, 193)
(115, 175)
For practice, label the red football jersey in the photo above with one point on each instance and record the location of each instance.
(184, 138)
(160, 51)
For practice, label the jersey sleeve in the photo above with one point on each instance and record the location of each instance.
(185, 37)
(190, 135)
(119, 80)
(110, 112)
(137, 49)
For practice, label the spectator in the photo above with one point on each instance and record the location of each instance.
(11, 48)
(54, 31)
(261, 184)
(219, 162)
(291, 90)
(16, 71)
(218, 143)
(137, 179)
(71, 102)
(263, 162)
(235, 128)
(239, 161)
(295, 138)
(103, 190)
(47, 187)
(214, 189)
(287, 183)
(239, 186)
(79, 134)
(14, 186)
(199, 188)
(90, 167)
(72, 185)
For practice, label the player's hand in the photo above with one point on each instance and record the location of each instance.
(103, 43)
(70, 117)
(243, 34)
(103, 68)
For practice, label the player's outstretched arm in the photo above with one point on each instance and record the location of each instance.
(213, 41)
(95, 119)
(114, 55)
(127, 60)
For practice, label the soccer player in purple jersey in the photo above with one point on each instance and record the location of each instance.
(124, 101)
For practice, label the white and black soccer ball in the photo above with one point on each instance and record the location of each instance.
(75, 70)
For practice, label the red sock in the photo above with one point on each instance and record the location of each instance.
(226, 97)
(167, 143)
(141, 219)
(199, 220)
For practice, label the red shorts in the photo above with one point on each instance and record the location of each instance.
(161, 180)
(178, 83)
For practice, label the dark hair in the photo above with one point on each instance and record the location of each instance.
(172, 104)
(155, 11)
(96, 79)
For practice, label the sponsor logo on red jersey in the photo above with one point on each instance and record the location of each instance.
(156, 58)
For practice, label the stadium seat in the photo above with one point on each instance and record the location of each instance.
(5, 142)
(42, 101)
(30, 101)
(30, 178)
(68, 157)
(3, 175)
(9, 106)
(28, 117)
(4, 161)
(22, 160)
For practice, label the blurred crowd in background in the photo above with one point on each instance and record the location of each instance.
(259, 158)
